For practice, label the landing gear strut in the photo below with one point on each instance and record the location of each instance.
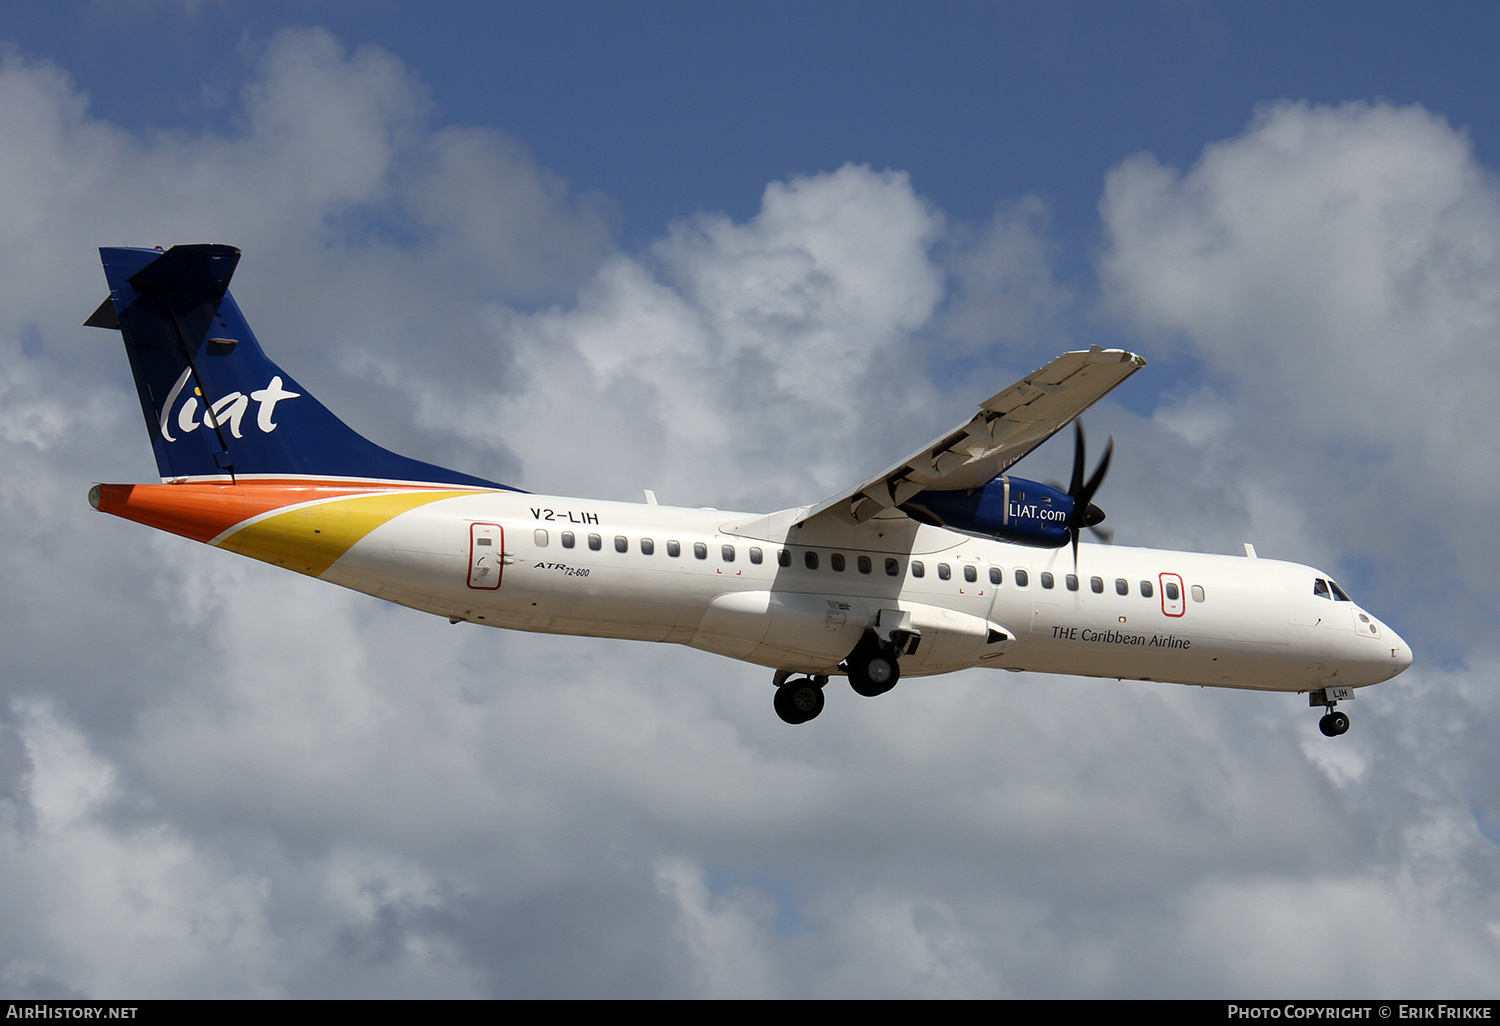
(799, 699)
(872, 667)
(1333, 723)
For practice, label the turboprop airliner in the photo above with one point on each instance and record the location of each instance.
(941, 562)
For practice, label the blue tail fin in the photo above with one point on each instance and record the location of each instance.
(216, 407)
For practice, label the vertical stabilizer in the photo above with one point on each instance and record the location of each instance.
(216, 407)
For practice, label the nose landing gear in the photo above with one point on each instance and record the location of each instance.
(1333, 723)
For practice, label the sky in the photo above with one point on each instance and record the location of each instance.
(745, 255)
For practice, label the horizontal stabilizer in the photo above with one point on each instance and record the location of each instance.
(104, 316)
(188, 275)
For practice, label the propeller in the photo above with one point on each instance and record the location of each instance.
(1085, 513)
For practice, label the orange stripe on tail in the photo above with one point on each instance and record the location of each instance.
(331, 518)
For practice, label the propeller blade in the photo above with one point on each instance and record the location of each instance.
(1098, 478)
(1078, 458)
(1085, 514)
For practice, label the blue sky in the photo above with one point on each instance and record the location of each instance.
(670, 108)
(742, 255)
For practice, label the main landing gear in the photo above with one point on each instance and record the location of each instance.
(798, 699)
(1333, 723)
(872, 667)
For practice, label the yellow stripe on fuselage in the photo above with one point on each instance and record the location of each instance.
(311, 538)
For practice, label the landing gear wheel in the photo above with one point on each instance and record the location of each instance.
(1334, 724)
(798, 701)
(872, 668)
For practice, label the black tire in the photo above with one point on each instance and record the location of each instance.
(1340, 723)
(782, 703)
(873, 673)
(798, 701)
(806, 698)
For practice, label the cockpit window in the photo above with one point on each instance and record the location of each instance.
(1338, 593)
(1320, 587)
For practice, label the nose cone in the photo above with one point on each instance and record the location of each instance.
(1400, 653)
(1393, 658)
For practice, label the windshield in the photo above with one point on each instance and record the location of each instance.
(1329, 590)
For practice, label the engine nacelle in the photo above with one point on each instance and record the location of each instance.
(1008, 508)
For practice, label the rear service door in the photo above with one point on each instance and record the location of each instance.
(486, 556)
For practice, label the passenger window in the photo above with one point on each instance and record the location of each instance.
(1122, 586)
(1046, 579)
(541, 538)
(1097, 583)
(1320, 588)
(648, 547)
(1072, 582)
(892, 567)
(971, 574)
(837, 562)
(996, 576)
(567, 539)
(863, 562)
(1197, 593)
(1146, 590)
(755, 554)
(595, 542)
(674, 548)
(810, 559)
(727, 553)
(700, 550)
(622, 543)
(944, 571)
(1021, 579)
(917, 569)
(1173, 592)
(783, 557)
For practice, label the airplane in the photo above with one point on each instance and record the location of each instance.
(941, 562)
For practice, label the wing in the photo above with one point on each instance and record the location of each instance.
(1008, 426)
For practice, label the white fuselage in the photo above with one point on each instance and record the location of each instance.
(760, 589)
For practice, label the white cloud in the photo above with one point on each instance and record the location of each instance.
(738, 365)
(102, 907)
(1336, 271)
(723, 933)
(891, 945)
(1006, 295)
(1347, 936)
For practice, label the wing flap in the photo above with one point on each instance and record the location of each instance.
(1009, 425)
